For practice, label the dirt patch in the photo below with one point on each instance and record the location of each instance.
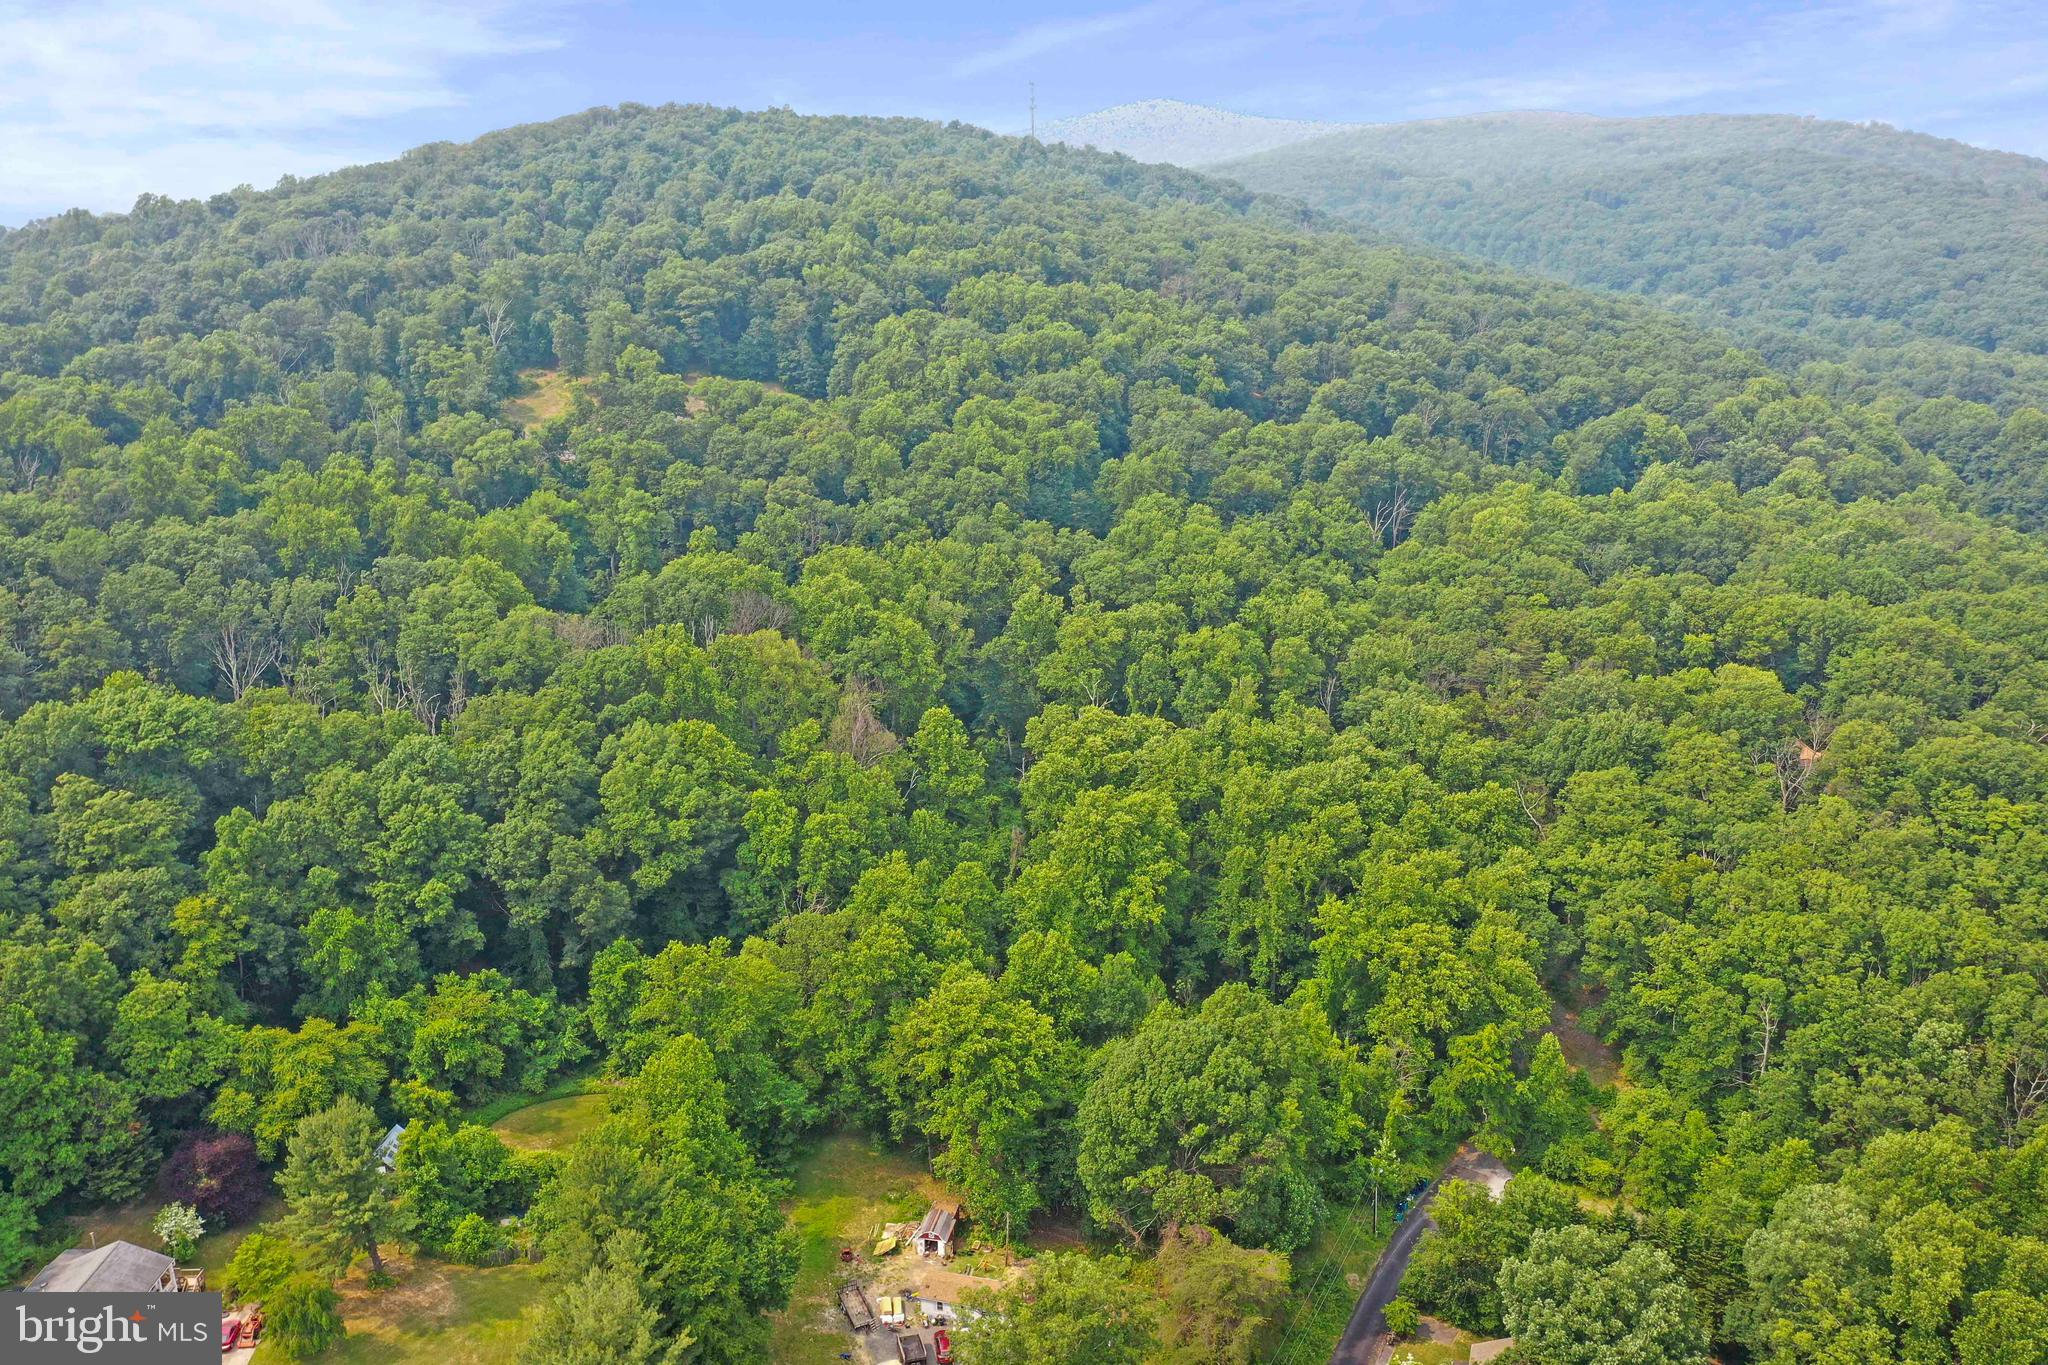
(1479, 1168)
(436, 1314)
(1582, 1048)
(424, 1296)
(1437, 1331)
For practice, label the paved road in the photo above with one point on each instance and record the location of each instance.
(1365, 1336)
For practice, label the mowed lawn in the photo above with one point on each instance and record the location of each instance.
(130, 1223)
(553, 1123)
(435, 1315)
(442, 1314)
(845, 1187)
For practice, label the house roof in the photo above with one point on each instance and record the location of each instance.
(387, 1148)
(116, 1268)
(938, 1222)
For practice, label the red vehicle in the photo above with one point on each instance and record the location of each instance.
(942, 1343)
(241, 1330)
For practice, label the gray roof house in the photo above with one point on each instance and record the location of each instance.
(116, 1268)
(387, 1147)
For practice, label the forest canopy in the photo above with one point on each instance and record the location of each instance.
(986, 610)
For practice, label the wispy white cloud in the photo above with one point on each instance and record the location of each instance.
(102, 100)
(1853, 59)
(1040, 39)
(1907, 18)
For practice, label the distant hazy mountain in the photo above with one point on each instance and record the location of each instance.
(1916, 259)
(1184, 134)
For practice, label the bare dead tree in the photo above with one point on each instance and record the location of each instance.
(1767, 1021)
(383, 693)
(426, 708)
(1533, 796)
(1389, 516)
(243, 653)
(583, 633)
(751, 610)
(28, 468)
(858, 730)
(497, 320)
(2026, 1092)
(1792, 762)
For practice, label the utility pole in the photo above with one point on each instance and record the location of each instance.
(1034, 111)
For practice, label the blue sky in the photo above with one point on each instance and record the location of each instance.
(103, 99)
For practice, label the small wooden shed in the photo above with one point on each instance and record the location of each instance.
(934, 1236)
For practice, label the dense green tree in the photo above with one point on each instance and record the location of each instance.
(302, 1317)
(1068, 1309)
(334, 1191)
(1576, 1295)
(984, 1076)
(604, 1317)
(1241, 1112)
(259, 1268)
(855, 616)
(1216, 1297)
(666, 1167)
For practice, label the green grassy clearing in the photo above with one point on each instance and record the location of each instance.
(543, 394)
(435, 1315)
(1454, 1352)
(552, 1123)
(843, 1188)
(489, 1112)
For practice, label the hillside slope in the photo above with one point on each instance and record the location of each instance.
(1056, 664)
(1816, 240)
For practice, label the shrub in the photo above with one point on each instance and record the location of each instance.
(1402, 1318)
(179, 1227)
(216, 1173)
(17, 1236)
(303, 1318)
(475, 1240)
(444, 1174)
(261, 1264)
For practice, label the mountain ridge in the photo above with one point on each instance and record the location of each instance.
(1182, 133)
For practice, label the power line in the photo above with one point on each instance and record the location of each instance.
(1293, 1340)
